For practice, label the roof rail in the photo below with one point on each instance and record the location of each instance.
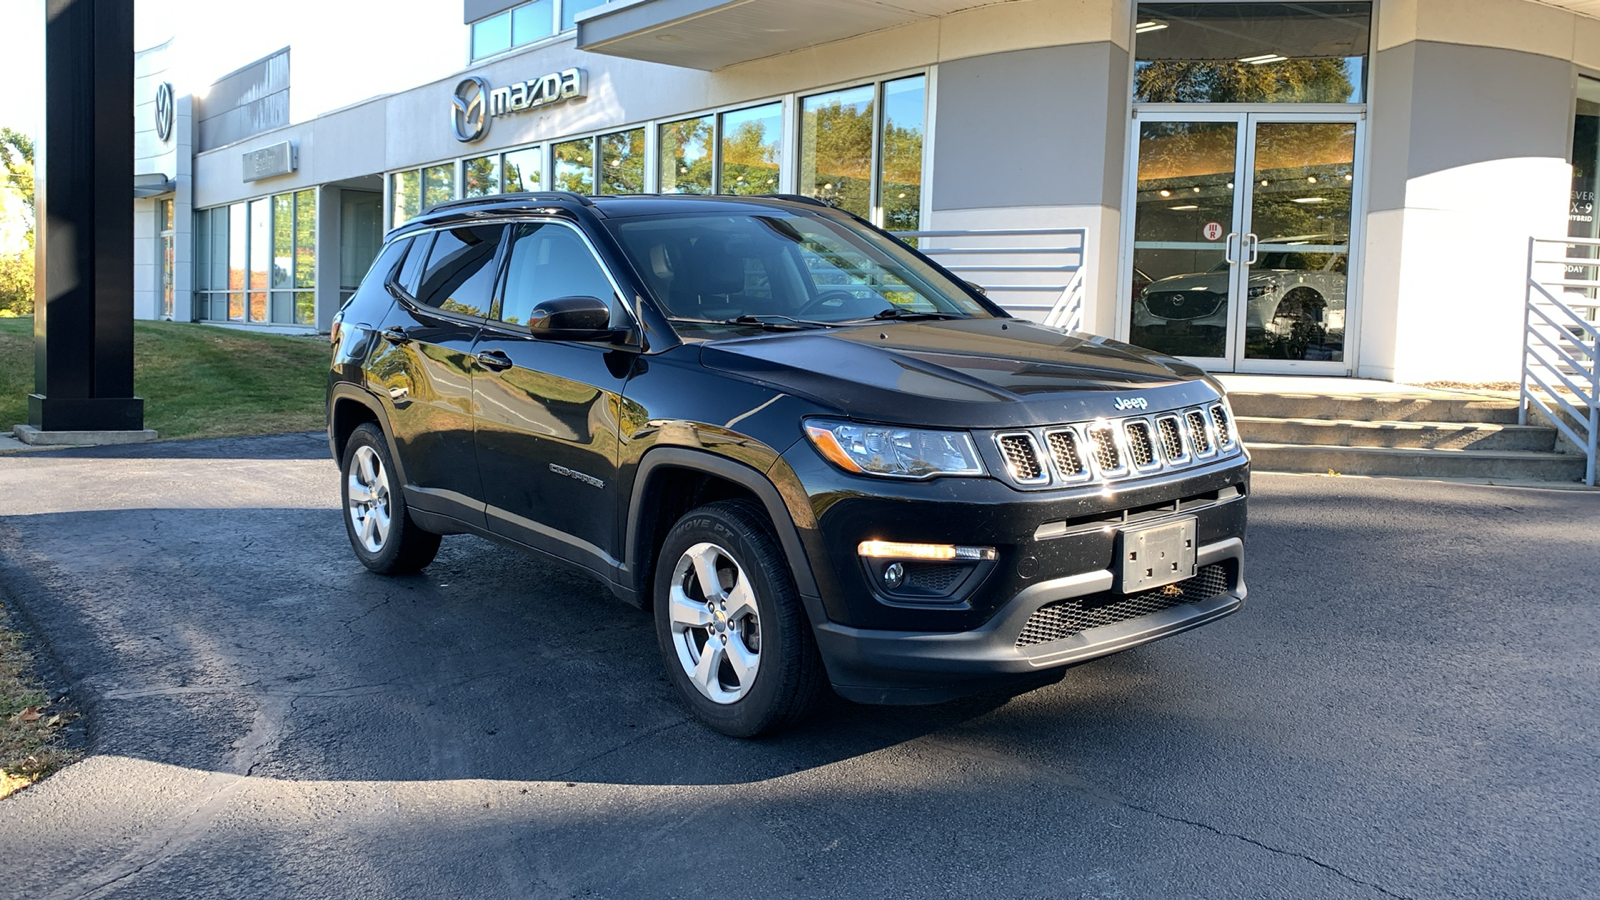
(545, 196)
(801, 198)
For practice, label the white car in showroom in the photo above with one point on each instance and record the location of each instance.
(1294, 308)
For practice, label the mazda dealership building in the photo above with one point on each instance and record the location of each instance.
(1324, 188)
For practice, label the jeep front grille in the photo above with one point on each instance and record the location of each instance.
(1064, 450)
(1115, 449)
(1172, 439)
(1219, 417)
(1106, 455)
(1022, 459)
(1065, 618)
(1197, 432)
(1144, 455)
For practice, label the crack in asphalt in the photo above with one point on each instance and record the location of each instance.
(1090, 790)
(561, 776)
(1264, 846)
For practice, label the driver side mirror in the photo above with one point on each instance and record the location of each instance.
(571, 319)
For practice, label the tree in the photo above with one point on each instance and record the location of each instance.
(1214, 81)
(16, 267)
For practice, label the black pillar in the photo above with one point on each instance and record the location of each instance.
(83, 310)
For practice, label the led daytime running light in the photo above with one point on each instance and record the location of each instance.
(898, 550)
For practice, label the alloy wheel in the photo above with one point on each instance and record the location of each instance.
(367, 492)
(716, 628)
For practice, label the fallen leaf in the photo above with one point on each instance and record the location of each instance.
(31, 714)
(53, 721)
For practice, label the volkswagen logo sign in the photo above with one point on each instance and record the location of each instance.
(164, 111)
(469, 107)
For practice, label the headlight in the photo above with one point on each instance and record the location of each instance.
(894, 452)
(1263, 289)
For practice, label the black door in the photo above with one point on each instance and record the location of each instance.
(547, 410)
(427, 368)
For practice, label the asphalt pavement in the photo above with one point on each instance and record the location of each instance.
(1407, 707)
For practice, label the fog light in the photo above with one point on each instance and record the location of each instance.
(895, 550)
(894, 575)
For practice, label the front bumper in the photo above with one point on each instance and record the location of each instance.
(874, 666)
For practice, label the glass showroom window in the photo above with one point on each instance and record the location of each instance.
(1251, 52)
(164, 225)
(405, 196)
(855, 159)
(480, 176)
(256, 261)
(525, 24)
(574, 166)
(524, 169)
(415, 190)
(751, 149)
(686, 157)
(622, 162)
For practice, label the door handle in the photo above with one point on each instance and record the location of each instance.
(1255, 249)
(1227, 249)
(394, 334)
(494, 360)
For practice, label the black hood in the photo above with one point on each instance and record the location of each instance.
(968, 373)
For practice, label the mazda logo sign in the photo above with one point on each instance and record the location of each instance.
(469, 108)
(164, 112)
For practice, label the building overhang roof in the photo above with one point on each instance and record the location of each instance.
(715, 34)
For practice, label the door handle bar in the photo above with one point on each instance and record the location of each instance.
(494, 360)
(1227, 250)
(394, 334)
(1255, 249)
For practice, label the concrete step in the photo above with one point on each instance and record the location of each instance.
(1421, 406)
(1418, 435)
(1492, 465)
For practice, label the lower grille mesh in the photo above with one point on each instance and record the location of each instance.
(934, 578)
(1065, 618)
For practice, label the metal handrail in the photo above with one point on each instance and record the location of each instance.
(1570, 347)
(996, 260)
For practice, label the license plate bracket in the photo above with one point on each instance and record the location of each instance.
(1151, 556)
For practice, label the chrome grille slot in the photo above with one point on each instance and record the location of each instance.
(1064, 450)
(1172, 440)
(1022, 458)
(1198, 438)
(1106, 455)
(1219, 416)
(1139, 447)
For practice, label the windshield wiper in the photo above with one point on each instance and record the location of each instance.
(773, 322)
(904, 315)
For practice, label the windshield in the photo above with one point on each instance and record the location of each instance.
(776, 268)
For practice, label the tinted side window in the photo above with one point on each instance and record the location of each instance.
(548, 261)
(373, 292)
(460, 273)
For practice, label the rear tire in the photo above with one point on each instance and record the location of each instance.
(740, 653)
(381, 530)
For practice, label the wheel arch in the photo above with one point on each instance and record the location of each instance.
(671, 481)
(348, 409)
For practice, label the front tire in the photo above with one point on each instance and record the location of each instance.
(381, 530)
(733, 635)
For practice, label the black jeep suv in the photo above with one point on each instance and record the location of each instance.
(818, 456)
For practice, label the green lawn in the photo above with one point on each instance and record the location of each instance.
(196, 380)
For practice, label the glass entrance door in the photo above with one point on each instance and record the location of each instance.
(1241, 239)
